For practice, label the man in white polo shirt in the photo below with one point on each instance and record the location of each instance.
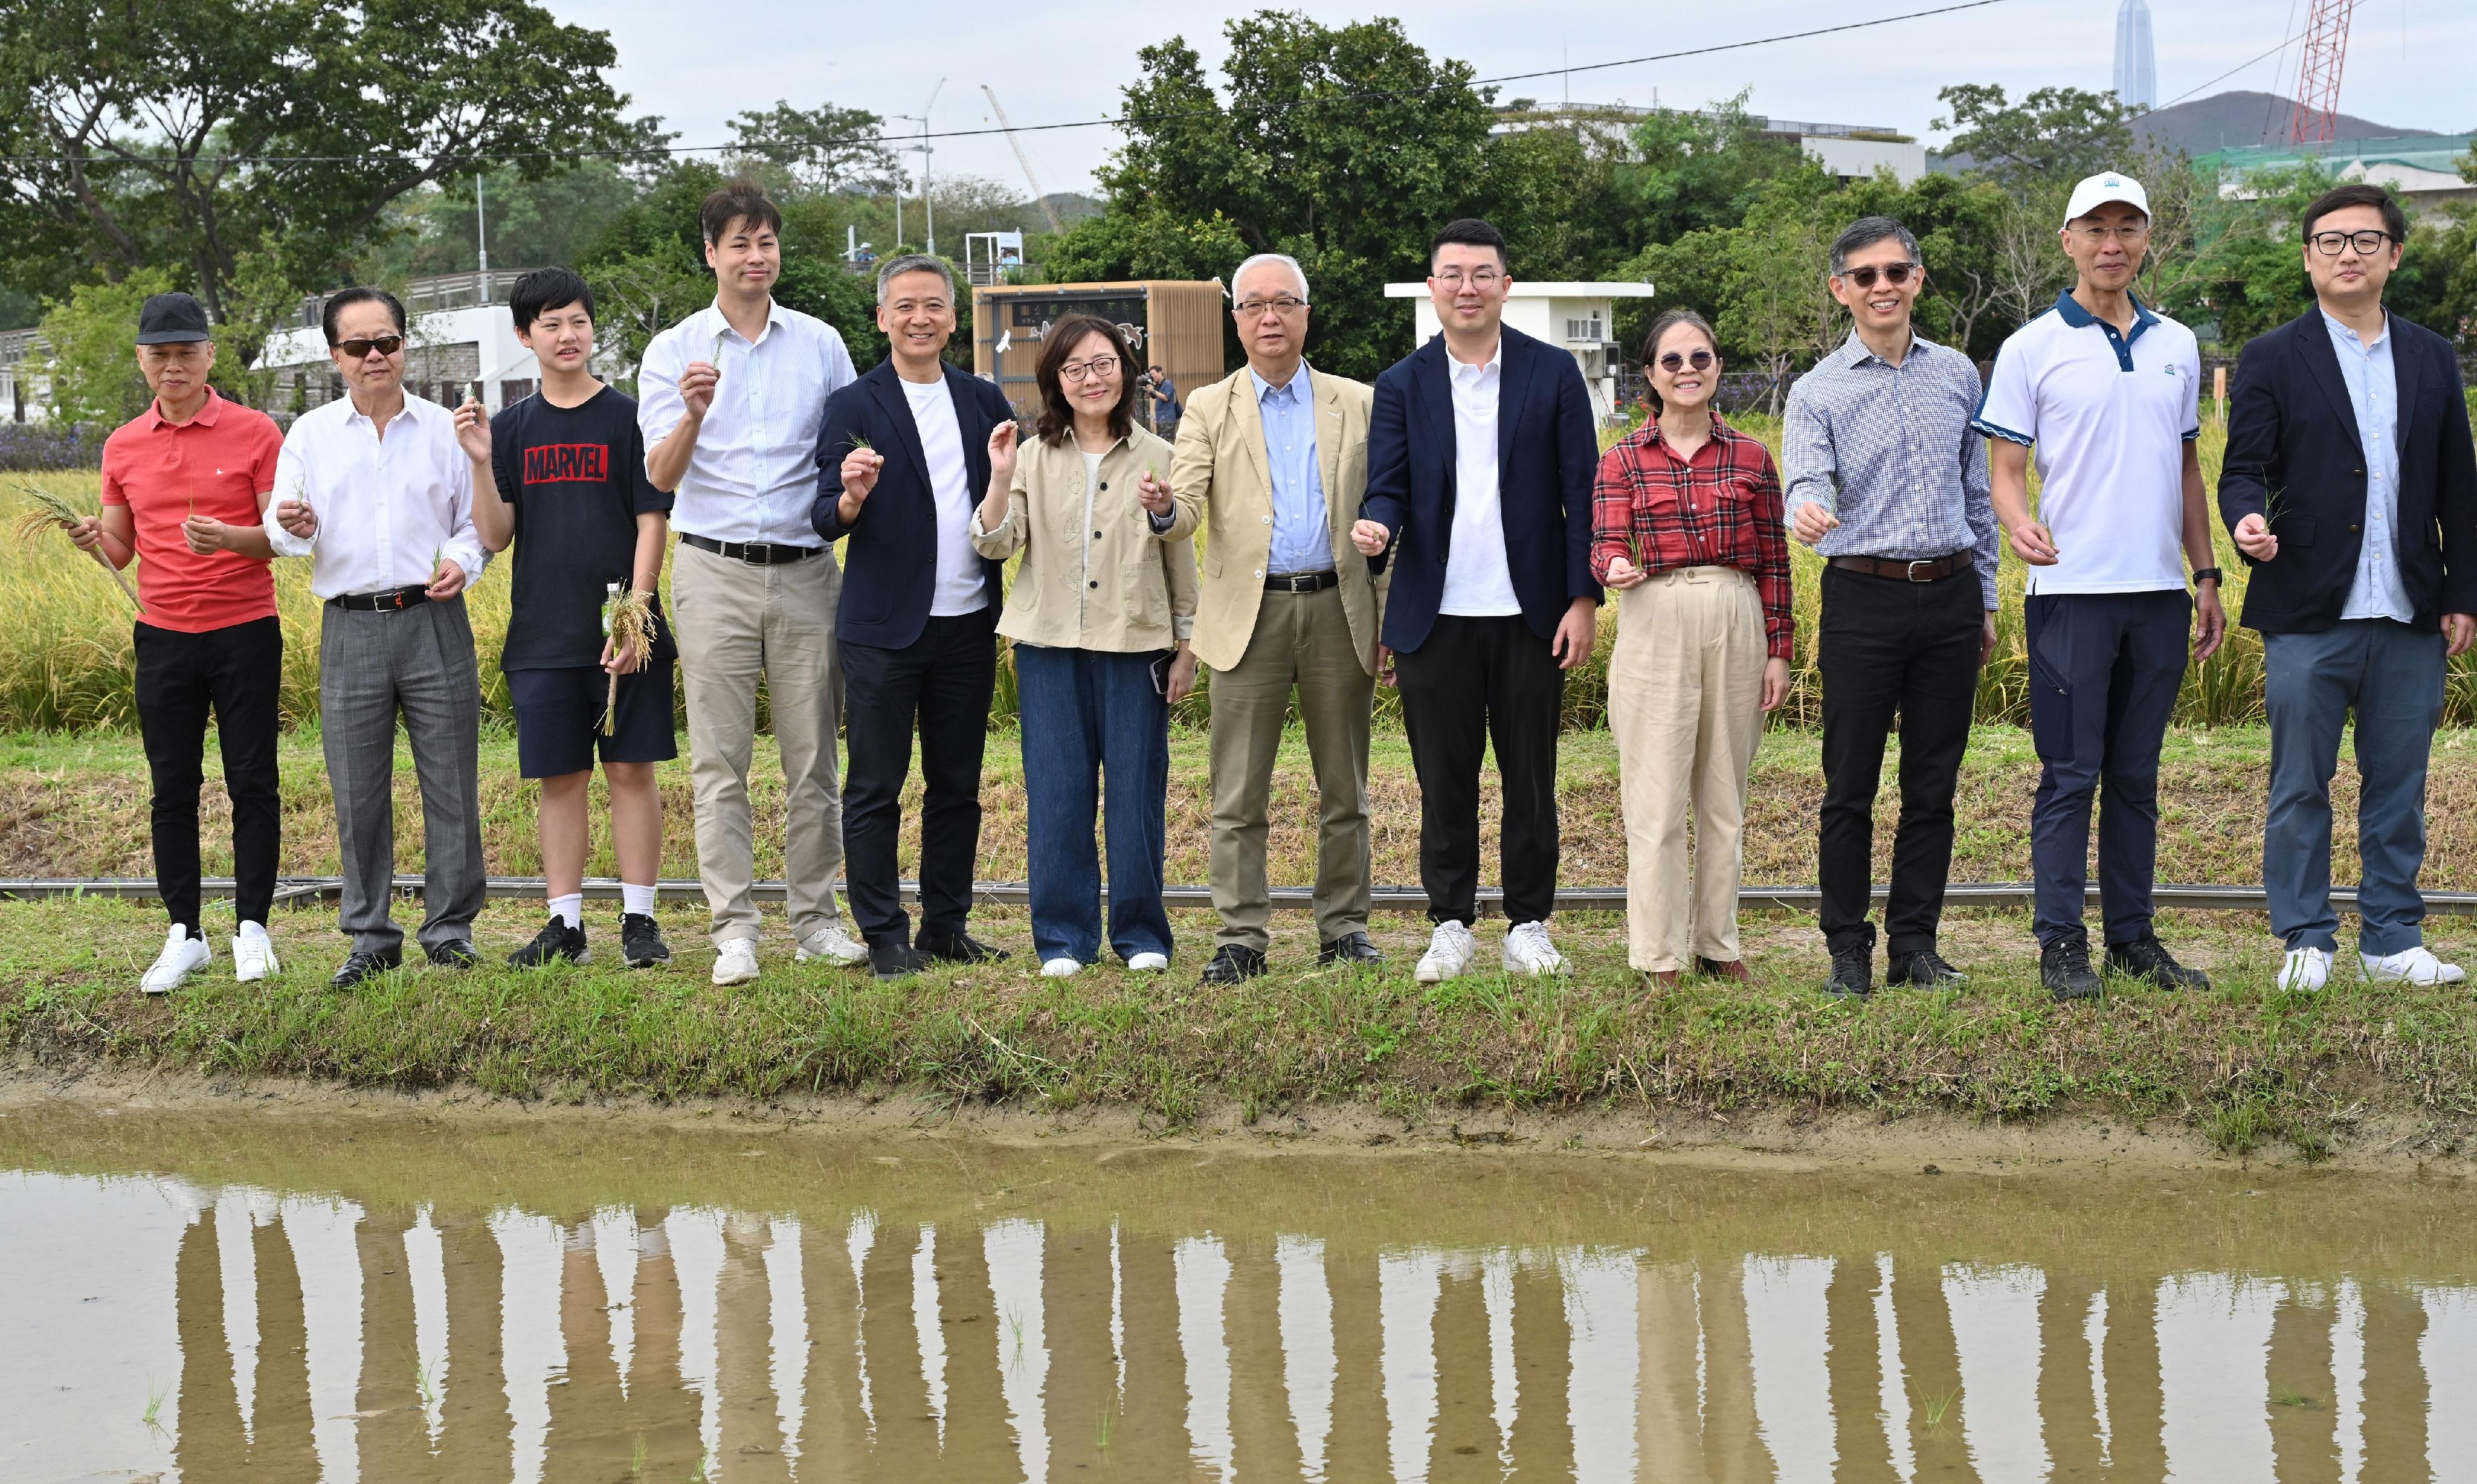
(2107, 392)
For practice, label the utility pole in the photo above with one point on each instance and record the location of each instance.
(481, 238)
(928, 207)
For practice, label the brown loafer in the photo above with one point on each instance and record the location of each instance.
(1660, 978)
(1731, 969)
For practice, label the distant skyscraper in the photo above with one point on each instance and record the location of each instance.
(2137, 76)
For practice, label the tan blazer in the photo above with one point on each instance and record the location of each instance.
(1094, 576)
(1221, 482)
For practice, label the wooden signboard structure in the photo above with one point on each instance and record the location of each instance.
(1175, 325)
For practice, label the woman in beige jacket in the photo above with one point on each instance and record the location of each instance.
(1100, 614)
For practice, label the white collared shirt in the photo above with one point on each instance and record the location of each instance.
(753, 475)
(1478, 583)
(385, 503)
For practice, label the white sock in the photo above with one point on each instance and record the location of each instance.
(636, 900)
(569, 910)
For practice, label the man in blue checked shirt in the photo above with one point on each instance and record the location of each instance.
(1887, 480)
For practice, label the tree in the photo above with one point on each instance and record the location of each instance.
(824, 148)
(92, 364)
(2052, 134)
(150, 131)
(533, 222)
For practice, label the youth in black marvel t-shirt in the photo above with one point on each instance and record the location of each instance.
(574, 479)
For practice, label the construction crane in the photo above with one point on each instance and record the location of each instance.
(1023, 157)
(2313, 119)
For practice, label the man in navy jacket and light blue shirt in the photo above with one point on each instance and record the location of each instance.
(904, 456)
(2350, 485)
(1480, 454)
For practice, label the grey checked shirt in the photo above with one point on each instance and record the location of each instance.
(1889, 450)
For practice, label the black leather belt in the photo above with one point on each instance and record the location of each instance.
(1932, 570)
(1302, 581)
(395, 601)
(757, 554)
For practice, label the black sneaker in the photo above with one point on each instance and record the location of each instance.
(2064, 968)
(1924, 969)
(960, 948)
(640, 942)
(454, 954)
(1853, 974)
(366, 965)
(895, 959)
(556, 943)
(2147, 960)
(1351, 948)
(1231, 964)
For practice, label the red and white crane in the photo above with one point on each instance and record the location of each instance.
(2314, 117)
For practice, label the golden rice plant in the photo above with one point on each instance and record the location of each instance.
(47, 511)
(630, 624)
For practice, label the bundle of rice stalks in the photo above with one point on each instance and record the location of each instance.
(630, 622)
(45, 510)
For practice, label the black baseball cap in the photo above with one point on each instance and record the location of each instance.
(171, 319)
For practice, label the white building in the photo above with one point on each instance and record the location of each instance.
(2136, 71)
(1580, 316)
(460, 332)
(1852, 152)
(25, 393)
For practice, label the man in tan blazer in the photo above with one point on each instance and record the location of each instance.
(1271, 463)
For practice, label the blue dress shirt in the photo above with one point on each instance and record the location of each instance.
(2373, 391)
(1302, 528)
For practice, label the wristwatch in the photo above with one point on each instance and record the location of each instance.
(2203, 575)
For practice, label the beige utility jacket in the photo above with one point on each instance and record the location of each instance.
(1094, 576)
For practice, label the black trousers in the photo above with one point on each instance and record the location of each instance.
(1478, 680)
(1887, 649)
(943, 681)
(236, 673)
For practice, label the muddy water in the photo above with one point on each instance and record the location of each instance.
(348, 1297)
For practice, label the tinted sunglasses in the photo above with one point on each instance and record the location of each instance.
(1674, 361)
(1894, 274)
(359, 349)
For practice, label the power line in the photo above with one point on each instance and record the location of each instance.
(1375, 95)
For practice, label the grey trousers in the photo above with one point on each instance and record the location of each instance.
(373, 667)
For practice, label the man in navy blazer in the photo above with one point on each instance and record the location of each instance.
(903, 458)
(2350, 485)
(1480, 454)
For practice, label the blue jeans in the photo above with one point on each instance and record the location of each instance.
(2392, 676)
(2104, 673)
(1087, 716)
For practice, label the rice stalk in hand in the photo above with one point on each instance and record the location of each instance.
(631, 622)
(46, 511)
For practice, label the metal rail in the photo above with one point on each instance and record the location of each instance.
(302, 890)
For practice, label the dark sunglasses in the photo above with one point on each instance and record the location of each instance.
(1895, 274)
(359, 349)
(1673, 362)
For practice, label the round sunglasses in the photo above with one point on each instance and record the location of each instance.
(1674, 361)
(1895, 274)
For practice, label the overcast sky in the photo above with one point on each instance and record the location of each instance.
(2410, 62)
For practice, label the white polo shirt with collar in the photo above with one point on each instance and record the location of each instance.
(2107, 415)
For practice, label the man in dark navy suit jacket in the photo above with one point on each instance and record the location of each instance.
(1480, 454)
(2350, 486)
(903, 458)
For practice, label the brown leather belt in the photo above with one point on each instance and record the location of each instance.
(1932, 570)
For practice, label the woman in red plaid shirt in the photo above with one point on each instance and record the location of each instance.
(1687, 528)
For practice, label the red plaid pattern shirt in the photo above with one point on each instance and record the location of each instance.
(1720, 508)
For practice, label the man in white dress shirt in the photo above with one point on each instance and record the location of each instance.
(730, 400)
(375, 492)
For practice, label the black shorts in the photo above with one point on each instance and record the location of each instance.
(559, 718)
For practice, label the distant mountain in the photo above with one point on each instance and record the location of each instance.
(2233, 120)
(1072, 205)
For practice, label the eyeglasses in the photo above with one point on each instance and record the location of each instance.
(359, 349)
(1674, 362)
(1483, 280)
(2330, 244)
(1895, 274)
(1098, 365)
(1279, 303)
(2133, 232)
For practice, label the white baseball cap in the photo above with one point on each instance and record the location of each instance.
(2108, 185)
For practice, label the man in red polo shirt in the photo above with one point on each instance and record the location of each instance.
(185, 487)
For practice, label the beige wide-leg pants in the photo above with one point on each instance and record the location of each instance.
(734, 623)
(1685, 685)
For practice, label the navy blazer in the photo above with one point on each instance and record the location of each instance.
(2293, 445)
(1547, 455)
(891, 566)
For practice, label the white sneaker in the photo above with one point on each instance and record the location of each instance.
(2414, 966)
(253, 955)
(2308, 969)
(1149, 963)
(1528, 950)
(183, 956)
(736, 961)
(1450, 950)
(832, 944)
(1061, 968)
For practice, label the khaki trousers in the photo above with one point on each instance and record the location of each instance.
(734, 623)
(1686, 686)
(1301, 640)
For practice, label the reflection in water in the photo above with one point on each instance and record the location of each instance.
(228, 1331)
